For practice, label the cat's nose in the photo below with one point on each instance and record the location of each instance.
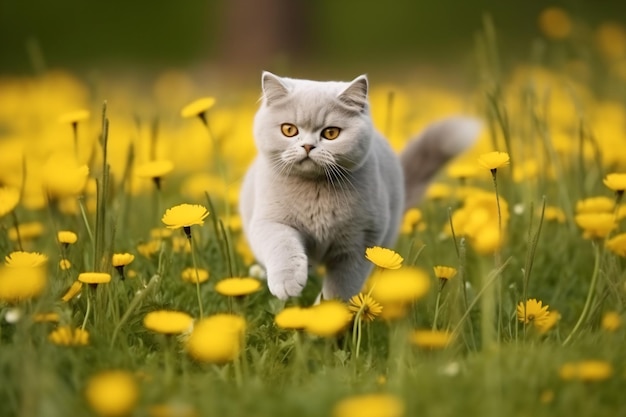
(308, 148)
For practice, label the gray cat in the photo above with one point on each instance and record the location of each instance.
(326, 185)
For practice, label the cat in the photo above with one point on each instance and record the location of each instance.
(326, 185)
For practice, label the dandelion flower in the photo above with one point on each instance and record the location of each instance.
(19, 283)
(370, 405)
(617, 244)
(364, 304)
(237, 287)
(149, 248)
(73, 291)
(596, 225)
(616, 182)
(438, 191)
(412, 221)
(197, 107)
(462, 171)
(112, 393)
(403, 285)
(555, 23)
(611, 321)
(192, 275)
(120, 260)
(444, 272)
(293, 318)
(25, 259)
(94, 277)
(430, 339)
(553, 213)
(66, 237)
(68, 336)
(184, 216)
(9, 198)
(29, 230)
(494, 160)
(586, 370)
(328, 318)
(532, 312)
(65, 264)
(46, 318)
(383, 257)
(154, 170)
(217, 338)
(63, 176)
(167, 322)
(74, 117)
(599, 204)
(548, 324)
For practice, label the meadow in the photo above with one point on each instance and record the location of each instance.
(127, 287)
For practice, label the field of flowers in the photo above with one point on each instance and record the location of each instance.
(127, 287)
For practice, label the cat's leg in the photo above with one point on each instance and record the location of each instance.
(281, 250)
(346, 274)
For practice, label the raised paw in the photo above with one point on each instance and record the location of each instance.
(288, 278)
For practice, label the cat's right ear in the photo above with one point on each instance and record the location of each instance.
(273, 88)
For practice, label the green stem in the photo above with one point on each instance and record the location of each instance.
(195, 267)
(590, 293)
(88, 308)
(437, 308)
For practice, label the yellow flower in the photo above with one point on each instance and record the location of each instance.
(383, 257)
(616, 182)
(611, 321)
(237, 287)
(617, 244)
(412, 221)
(67, 336)
(394, 311)
(175, 409)
(370, 405)
(328, 318)
(444, 272)
(431, 339)
(493, 160)
(21, 283)
(122, 259)
(46, 318)
(30, 230)
(9, 198)
(160, 233)
(532, 312)
(192, 275)
(154, 169)
(94, 277)
(438, 191)
(217, 338)
(293, 318)
(25, 259)
(112, 393)
(66, 237)
(462, 171)
(398, 286)
(546, 325)
(184, 215)
(366, 306)
(555, 23)
(611, 40)
(72, 292)
(588, 371)
(149, 248)
(63, 176)
(197, 107)
(596, 225)
(74, 116)
(595, 205)
(65, 264)
(167, 322)
(554, 213)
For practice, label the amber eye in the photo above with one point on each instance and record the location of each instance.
(289, 130)
(331, 133)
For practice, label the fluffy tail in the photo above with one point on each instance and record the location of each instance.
(430, 150)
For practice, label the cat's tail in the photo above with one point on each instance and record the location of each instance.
(430, 150)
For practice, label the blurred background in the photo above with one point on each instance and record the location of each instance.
(225, 38)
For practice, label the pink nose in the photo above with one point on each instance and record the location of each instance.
(308, 148)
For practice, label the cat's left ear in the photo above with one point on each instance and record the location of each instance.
(355, 95)
(273, 88)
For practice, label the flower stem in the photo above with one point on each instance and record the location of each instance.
(88, 308)
(437, 308)
(195, 267)
(590, 293)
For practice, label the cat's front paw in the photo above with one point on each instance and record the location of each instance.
(288, 279)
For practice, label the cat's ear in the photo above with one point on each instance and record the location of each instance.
(273, 88)
(355, 95)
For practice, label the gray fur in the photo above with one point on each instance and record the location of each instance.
(328, 203)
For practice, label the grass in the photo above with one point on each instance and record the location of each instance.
(515, 370)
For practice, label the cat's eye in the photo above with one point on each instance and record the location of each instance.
(289, 130)
(331, 133)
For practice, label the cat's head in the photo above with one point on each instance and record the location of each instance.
(313, 128)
